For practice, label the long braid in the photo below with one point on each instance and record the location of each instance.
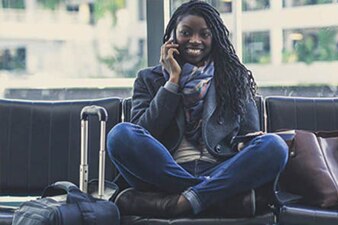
(234, 82)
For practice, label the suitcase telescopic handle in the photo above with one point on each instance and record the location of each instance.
(94, 110)
(102, 114)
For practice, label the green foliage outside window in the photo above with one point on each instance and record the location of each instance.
(310, 2)
(13, 4)
(101, 7)
(328, 48)
(123, 63)
(249, 5)
(256, 48)
(50, 4)
(313, 2)
(320, 46)
(13, 59)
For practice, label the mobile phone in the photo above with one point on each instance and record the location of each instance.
(178, 57)
(244, 138)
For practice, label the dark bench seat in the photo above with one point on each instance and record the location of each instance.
(265, 219)
(40, 144)
(313, 114)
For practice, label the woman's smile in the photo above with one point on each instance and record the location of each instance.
(194, 52)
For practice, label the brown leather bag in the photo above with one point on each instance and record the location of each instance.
(312, 170)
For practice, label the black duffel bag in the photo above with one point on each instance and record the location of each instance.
(62, 203)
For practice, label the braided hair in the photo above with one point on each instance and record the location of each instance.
(234, 82)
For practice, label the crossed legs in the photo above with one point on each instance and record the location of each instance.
(147, 165)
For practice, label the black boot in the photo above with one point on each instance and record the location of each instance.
(241, 205)
(148, 204)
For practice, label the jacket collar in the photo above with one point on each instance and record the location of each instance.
(157, 69)
(210, 101)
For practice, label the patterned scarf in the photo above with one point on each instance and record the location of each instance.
(194, 84)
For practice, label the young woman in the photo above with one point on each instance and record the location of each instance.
(177, 153)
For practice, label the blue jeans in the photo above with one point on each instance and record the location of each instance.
(147, 165)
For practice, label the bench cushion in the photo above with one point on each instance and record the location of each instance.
(312, 114)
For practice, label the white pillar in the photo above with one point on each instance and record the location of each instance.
(276, 35)
(276, 42)
(237, 27)
(30, 5)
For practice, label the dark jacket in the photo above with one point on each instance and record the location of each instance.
(161, 113)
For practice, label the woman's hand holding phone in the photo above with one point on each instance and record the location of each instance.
(168, 61)
(241, 140)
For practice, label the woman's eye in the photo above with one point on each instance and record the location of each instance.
(206, 34)
(185, 33)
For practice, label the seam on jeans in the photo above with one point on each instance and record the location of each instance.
(195, 168)
(194, 200)
(196, 196)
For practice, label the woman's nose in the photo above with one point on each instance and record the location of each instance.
(195, 39)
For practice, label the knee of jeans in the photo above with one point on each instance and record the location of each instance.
(119, 135)
(277, 148)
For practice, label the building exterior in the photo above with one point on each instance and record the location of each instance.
(289, 42)
(273, 39)
(65, 42)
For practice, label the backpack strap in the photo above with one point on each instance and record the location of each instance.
(88, 215)
(74, 196)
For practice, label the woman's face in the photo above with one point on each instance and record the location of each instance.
(194, 39)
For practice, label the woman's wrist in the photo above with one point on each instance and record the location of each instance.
(172, 87)
(174, 79)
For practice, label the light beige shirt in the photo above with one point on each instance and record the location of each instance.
(187, 152)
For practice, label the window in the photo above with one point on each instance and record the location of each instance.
(310, 45)
(256, 47)
(250, 5)
(223, 6)
(293, 3)
(70, 44)
(13, 59)
(67, 45)
(14, 4)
